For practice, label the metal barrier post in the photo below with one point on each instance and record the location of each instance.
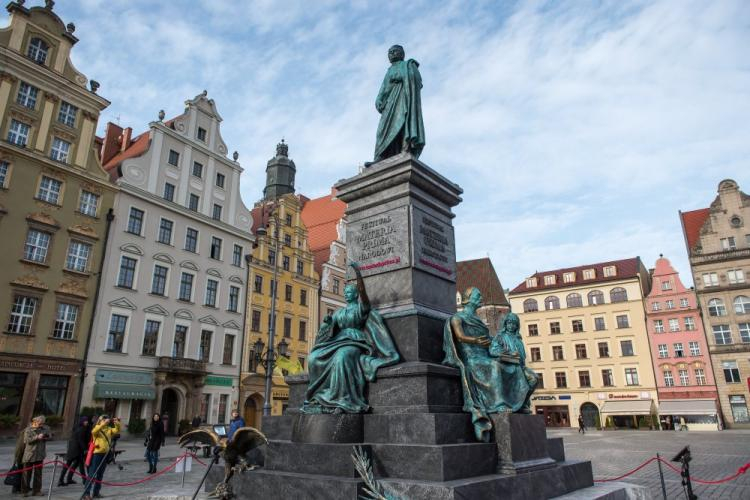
(54, 473)
(661, 478)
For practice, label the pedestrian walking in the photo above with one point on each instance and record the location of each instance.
(101, 435)
(165, 421)
(76, 452)
(154, 441)
(581, 425)
(197, 421)
(35, 438)
(235, 424)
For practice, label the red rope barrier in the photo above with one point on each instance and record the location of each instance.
(19, 471)
(195, 457)
(627, 473)
(142, 480)
(737, 474)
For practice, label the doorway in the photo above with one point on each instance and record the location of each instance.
(590, 414)
(253, 410)
(554, 416)
(169, 410)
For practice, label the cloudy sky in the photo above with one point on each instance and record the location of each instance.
(576, 129)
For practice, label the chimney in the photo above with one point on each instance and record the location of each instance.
(127, 133)
(111, 144)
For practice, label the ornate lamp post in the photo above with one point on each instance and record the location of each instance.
(268, 360)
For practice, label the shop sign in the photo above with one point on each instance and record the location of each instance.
(544, 398)
(566, 396)
(124, 377)
(216, 380)
(628, 395)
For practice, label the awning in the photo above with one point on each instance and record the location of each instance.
(687, 407)
(123, 391)
(633, 407)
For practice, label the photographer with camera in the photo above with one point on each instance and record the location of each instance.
(35, 438)
(102, 436)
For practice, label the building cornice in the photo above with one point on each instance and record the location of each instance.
(723, 256)
(570, 288)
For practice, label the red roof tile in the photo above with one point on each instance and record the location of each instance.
(625, 268)
(692, 222)
(321, 216)
(480, 273)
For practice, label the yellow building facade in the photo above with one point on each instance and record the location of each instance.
(584, 329)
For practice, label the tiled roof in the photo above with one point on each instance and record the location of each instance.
(692, 222)
(625, 268)
(321, 217)
(137, 147)
(481, 274)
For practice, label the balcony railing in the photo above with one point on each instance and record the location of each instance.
(181, 365)
(741, 253)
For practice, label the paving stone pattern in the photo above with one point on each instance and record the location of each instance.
(715, 455)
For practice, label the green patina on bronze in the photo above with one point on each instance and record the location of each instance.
(400, 106)
(349, 349)
(494, 376)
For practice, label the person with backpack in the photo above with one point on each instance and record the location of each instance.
(75, 456)
(154, 440)
(102, 435)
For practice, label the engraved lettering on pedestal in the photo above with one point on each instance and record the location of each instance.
(380, 243)
(434, 246)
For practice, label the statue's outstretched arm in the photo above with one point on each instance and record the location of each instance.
(460, 336)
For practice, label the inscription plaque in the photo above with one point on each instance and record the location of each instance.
(380, 243)
(434, 246)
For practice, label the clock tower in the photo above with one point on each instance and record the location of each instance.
(280, 173)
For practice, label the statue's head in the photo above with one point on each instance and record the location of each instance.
(511, 323)
(396, 53)
(350, 293)
(473, 296)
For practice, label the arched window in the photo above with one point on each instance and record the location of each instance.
(530, 305)
(618, 294)
(742, 305)
(574, 300)
(551, 302)
(596, 297)
(716, 308)
(38, 50)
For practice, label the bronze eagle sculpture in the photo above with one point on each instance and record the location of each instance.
(234, 451)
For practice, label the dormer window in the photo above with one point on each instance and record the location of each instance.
(201, 134)
(569, 277)
(610, 271)
(531, 282)
(589, 274)
(549, 279)
(666, 285)
(38, 50)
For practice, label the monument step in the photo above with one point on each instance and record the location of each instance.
(312, 458)
(419, 428)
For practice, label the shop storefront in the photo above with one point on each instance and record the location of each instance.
(738, 406)
(124, 393)
(628, 414)
(689, 414)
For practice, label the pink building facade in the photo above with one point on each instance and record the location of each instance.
(682, 366)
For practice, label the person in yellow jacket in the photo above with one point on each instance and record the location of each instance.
(102, 435)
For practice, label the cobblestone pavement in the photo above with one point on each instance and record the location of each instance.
(168, 485)
(715, 455)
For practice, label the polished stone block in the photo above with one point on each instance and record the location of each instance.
(417, 337)
(419, 428)
(433, 462)
(416, 387)
(277, 427)
(521, 442)
(333, 428)
(312, 458)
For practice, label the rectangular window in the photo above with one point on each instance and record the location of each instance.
(569, 277)
(201, 134)
(285, 262)
(735, 276)
(193, 202)
(65, 321)
(272, 257)
(599, 324)
(554, 328)
(212, 288)
(684, 378)
(607, 379)
(577, 325)
(536, 354)
(165, 232)
(60, 150)
(670, 304)
(126, 278)
(27, 95)
(584, 379)
(216, 248)
(689, 323)
(22, 314)
(679, 351)
(695, 349)
(603, 349)
(159, 281)
(50, 395)
(302, 331)
(288, 240)
(36, 246)
(116, 334)
(303, 297)
(191, 240)
(220, 179)
(88, 204)
(731, 372)
(610, 271)
(622, 321)
(663, 351)
(197, 169)
(557, 353)
(589, 274)
(234, 299)
(561, 380)
(533, 330)
(228, 349)
(540, 380)
(658, 326)
(204, 349)
(18, 133)
(258, 286)
(300, 267)
(336, 285)
(666, 285)
(288, 328)
(78, 256)
(674, 325)
(150, 337)
(710, 279)
(288, 293)
(631, 376)
(178, 346)
(744, 329)
(684, 303)
(135, 221)
(174, 158)
(549, 279)
(728, 243)
(700, 376)
(655, 306)
(168, 191)
(4, 169)
(49, 190)
(67, 114)
(186, 287)
(217, 212)
(668, 378)
(255, 321)
(626, 346)
(581, 351)
(722, 334)
(223, 402)
(237, 255)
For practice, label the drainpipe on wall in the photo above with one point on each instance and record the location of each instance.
(110, 218)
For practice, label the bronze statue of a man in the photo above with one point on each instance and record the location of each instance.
(400, 106)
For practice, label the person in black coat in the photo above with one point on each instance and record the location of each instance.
(154, 440)
(78, 445)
